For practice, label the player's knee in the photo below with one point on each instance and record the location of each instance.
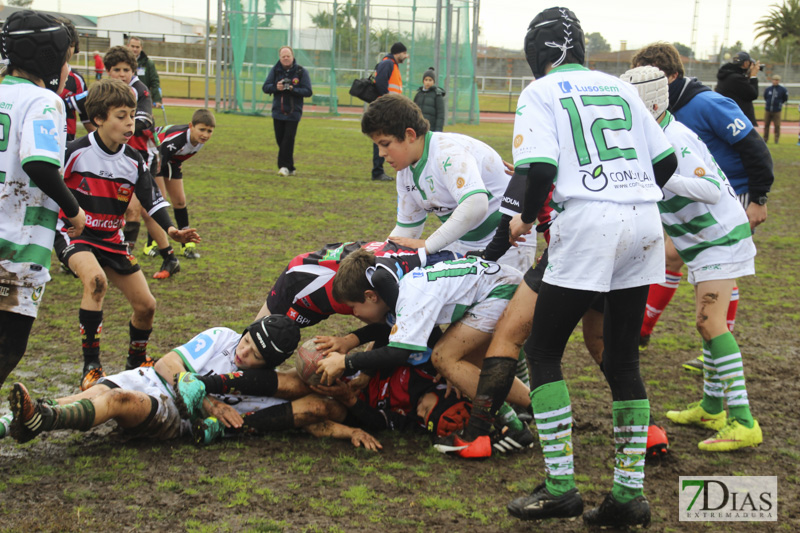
(179, 203)
(145, 308)
(97, 287)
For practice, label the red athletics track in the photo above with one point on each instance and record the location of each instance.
(787, 128)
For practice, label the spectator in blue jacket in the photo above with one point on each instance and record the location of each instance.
(774, 97)
(290, 83)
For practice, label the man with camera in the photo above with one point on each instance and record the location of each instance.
(738, 81)
(290, 83)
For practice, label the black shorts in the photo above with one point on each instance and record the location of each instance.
(280, 299)
(171, 171)
(533, 277)
(124, 264)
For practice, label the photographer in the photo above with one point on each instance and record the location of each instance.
(290, 83)
(737, 80)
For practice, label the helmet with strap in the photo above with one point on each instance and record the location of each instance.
(36, 43)
(552, 34)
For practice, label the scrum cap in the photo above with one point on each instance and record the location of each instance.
(275, 337)
(36, 43)
(551, 34)
(652, 86)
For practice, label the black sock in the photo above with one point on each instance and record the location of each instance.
(166, 253)
(149, 239)
(251, 382)
(138, 345)
(131, 232)
(182, 217)
(276, 418)
(495, 382)
(91, 323)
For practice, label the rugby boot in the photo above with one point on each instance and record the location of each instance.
(612, 513)
(190, 251)
(150, 249)
(695, 415)
(513, 440)
(541, 505)
(169, 267)
(189, 394)
(657, 442)
(695, 365)
(134, 361)
(644, 341)
(207, 430)
(480, 448)
(29, 416)
(92, 372)
(733, 436)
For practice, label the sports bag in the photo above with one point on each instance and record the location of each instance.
(364, 89)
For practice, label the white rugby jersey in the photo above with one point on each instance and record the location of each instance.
(33, 128)
(703, 234)
(442, 293)
(452, 168)
(596, 130)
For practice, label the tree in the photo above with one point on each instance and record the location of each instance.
(595, 43)
(26, 4)
(683, 50)
(781, 24)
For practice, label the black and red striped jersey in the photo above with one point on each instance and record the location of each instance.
(304, 291)
(144, 117)
(74, 85)
(103, 183)
(175, 146)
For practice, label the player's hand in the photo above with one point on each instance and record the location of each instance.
(327, 344)
(222, 412)
(184, 235)
(517, 228)
(78, 223)
(331, 368)
(754, 68)
(158, 105)
(339, 391)
(408, 242)
(756, 214)
(509, 168)
(450, 387)
(359, 382)
(360, 437)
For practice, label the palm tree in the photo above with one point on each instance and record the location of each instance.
(781, 24)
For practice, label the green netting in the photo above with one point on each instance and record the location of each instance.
(254, 30)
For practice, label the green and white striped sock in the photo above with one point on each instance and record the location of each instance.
(630, 439)
(713, 391)
(522, 368)
(508, 417)
(553, 414)
(5, 424)
(728, 360)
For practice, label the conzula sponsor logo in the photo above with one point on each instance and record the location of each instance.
(728, 498)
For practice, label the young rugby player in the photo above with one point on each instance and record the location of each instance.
(104, 174)
(36, 48)
(176, 144)
(74, 85)
(712, 235)
(606, 239)
(470, 294)
(141, 401)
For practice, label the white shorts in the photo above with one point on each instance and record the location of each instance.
(21, 300)
(604, 246)
(722, 271)
(484, 315)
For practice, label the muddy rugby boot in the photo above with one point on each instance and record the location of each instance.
(541, 505)
(92, 372)
(612, 513)
(480, 448)
(168, 268)
(29, 416)
(695, 365)
(513, 440)
(207, 430)
(190, 251)
(189, 394)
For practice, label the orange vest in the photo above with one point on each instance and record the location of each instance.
(395, 81)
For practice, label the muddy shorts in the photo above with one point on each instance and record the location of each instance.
(722, 271)
(22, 300)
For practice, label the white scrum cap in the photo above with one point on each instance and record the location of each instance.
(652, 86)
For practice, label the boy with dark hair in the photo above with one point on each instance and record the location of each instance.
(104, 174)
(738, 149)
(142, 404)
(36, 47)
(460, 179)
(606, 240)
(74, 85)
(176, 144)
(470, 295)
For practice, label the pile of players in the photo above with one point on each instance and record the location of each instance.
(620, 185)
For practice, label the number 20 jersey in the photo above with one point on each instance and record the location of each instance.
(596, 130)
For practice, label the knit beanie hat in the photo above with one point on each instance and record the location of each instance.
(398, 48)
(429, 74)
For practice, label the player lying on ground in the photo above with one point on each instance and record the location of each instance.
(141, 400)
(470, 295)
(712, 235)
(104, 174)
(176, 144)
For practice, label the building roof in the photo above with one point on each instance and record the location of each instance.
(77, 20)
(184, 20)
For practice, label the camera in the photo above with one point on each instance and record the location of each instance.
(286, 82)
(761, 67)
